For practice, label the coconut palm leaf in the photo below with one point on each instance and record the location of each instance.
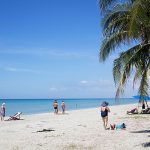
(111, 43)
(104, 4)
(123, 66)
(115, 22)
(128, 21)
(144, 83)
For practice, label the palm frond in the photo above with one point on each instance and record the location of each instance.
(134, 27)
(127, 21)
(143, 89)
(104, 4)
(111, 43)
(115, 22)
(123, 65)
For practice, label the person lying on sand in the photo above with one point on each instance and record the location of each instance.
(133, 111)
(118, 126)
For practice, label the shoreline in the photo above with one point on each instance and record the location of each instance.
(60, 112)
(73, 109)
(77, 129)
(44, 106)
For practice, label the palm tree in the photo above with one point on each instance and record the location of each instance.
(125, 22)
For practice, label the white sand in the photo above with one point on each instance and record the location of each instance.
(79, 129)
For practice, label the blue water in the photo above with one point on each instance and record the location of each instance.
(35, 106)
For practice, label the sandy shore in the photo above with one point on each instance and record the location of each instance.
(79, 129)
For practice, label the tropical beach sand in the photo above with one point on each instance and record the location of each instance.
(78, 129)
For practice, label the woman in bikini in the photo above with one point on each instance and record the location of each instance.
(55, 106)
(104, 113)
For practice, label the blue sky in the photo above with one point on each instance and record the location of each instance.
(49, 49)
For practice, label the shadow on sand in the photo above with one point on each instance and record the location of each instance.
(141, 131)
(147, 144)
(46, 130)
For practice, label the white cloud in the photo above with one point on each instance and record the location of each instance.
(53, 89)
(10, 69)
(13, 69)
(83, 82)
(91, 88)
(50, 53)
(86, 88)
(58, 89)
(96, 83)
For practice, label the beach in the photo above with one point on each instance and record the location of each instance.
(77, 129)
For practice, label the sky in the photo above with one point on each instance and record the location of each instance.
(50, 49)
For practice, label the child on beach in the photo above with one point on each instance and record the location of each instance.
(2, 112)
(63, 107)
(104, 113)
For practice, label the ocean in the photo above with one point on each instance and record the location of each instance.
(36, 106)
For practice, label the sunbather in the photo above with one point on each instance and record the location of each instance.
(133, 111)
(118, 126)
(146, 111)
(15, 117)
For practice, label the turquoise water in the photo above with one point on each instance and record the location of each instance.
(35, 106)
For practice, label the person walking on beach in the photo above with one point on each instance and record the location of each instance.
(63, 107)
(2, 112)
(55, 106)
(104, 113)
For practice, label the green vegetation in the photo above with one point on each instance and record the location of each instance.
(127, 23)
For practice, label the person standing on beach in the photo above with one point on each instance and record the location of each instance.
(104, 113)
(2, 112)
(55, 106)
(63, 107)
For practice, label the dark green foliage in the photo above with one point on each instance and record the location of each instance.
(123, 23)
